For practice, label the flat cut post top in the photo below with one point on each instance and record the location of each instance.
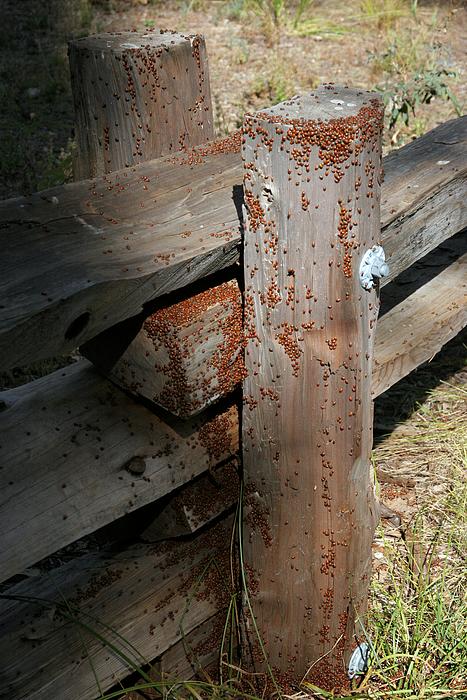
(326, 103)
(118, 42)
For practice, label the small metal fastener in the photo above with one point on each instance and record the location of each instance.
(373, 265)
(136, 465)
(358, 663)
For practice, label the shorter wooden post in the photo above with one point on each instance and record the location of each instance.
(312, 191)
(138, 96)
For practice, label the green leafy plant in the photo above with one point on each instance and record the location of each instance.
(414, 72)
(273, 9)
(278, 12)
(403, 98)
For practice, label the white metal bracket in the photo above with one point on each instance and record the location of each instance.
(373, 265)
(358, 663)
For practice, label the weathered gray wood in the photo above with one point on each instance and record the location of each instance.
(138, 96)
(312, 193)
(196, 504)
(80, 258)
(184, 356)
(88, 262)
(76, 453)
(416, 329)
(196, 651)
(32, 523)
(429, 222)
(150, 596)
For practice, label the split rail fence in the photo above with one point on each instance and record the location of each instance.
(141, 266)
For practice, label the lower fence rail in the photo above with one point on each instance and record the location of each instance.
(112, 614)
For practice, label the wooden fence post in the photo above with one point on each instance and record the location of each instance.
(138, 96)
(312, 168)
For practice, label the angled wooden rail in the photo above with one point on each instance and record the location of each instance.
(80, 258)
(77, 453)
(417, 328)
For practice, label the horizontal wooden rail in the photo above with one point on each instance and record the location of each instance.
(86, 256)
(80, 258)
(417, 328)
(53, 431)
(146, 595)
(77, 453)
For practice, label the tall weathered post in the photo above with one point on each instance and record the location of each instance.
(137, 96)
(312, 190)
